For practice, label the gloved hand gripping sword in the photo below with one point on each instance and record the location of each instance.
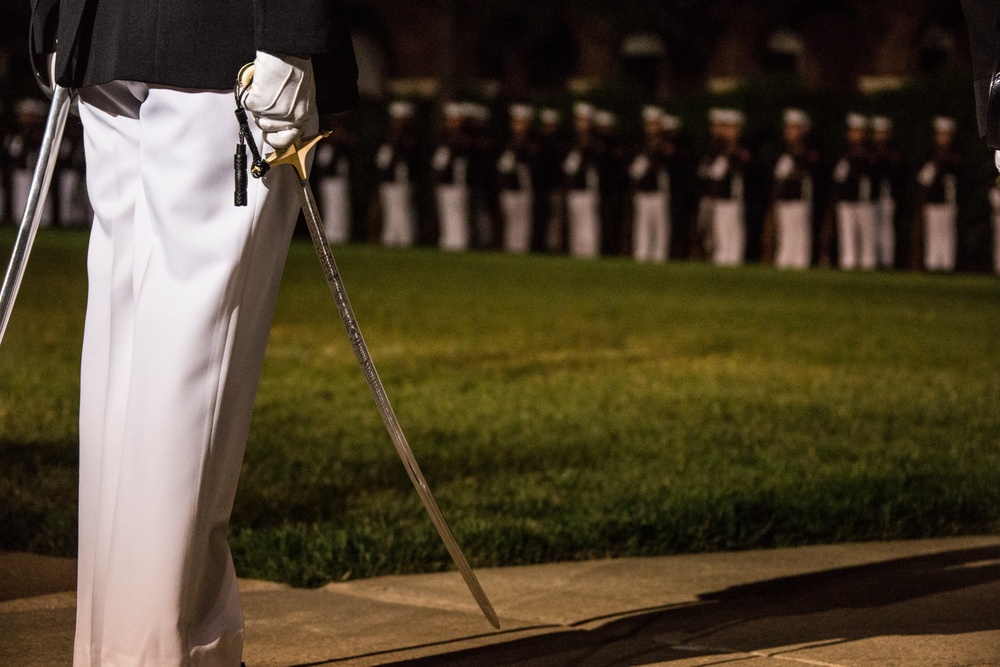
(296, 156)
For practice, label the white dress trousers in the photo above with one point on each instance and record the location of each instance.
(583, 213)
(650, 226)
(729, 233)
(794, 227)
(856, 234)
(885, 231)
(397, 214)
(516, 206)
(940, 237)
(182, 285)
(453, 214)
(335, 198)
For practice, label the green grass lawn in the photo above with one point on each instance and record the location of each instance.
(561, 410)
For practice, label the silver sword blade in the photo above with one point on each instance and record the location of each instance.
(47, 154)
(311, 212)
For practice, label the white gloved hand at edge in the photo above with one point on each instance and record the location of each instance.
(282, 98)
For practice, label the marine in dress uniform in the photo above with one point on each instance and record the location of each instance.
(516, 178)
(722, 173)
(331, 172)
(583, 188)
(887, 176)
(181, 289)
(650, 192)
(938, 180)
(852, 196)
(395, 162)
(794, 176)
(451, 171)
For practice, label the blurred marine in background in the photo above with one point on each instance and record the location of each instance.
(938, 179)
(794, 177)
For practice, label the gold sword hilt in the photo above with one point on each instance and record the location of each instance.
(296, 155)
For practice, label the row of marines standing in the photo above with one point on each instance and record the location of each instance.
(593, 196)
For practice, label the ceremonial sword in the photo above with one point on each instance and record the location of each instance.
(296, 156)
(55, 124)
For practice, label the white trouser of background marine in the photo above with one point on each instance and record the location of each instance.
(885, 231)
(516, 206)
(182, 285)
(794, 238)
(584, 217)
(940, 237)
(856, 234)
(453, 214)
(729, 232)
(650, 226)
(335, 198)
(397, 214)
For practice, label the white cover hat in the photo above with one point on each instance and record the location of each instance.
(856, 121)
(881, 124)
(652, 114)
(944, 124)
(521, 112)
(549, 116)
(670, 122)
(401, 109)
(723, 116)
(584, 110)
(604, 118)
(793, 116)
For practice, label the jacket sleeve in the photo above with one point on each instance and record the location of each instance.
(318, 28)
(982, 16)
(44, 19)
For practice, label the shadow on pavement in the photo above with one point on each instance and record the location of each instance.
(909, 596)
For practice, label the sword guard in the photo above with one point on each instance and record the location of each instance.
(297, 154)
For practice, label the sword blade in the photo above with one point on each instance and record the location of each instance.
(40, 181)
(313, 221)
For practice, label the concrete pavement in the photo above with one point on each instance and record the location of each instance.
(913, 603)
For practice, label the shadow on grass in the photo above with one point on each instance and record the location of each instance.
(903, 597)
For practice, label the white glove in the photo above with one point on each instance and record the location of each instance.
(282, 98)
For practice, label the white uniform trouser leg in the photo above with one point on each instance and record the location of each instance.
(729, 232)
(856, 235)
(453, 214)
(939, 237)
(650, 227)
(516, 206)
(336, 202)
(397, 214)
(794, 243)
(885, 231)
(181, 292)
(582, 209)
